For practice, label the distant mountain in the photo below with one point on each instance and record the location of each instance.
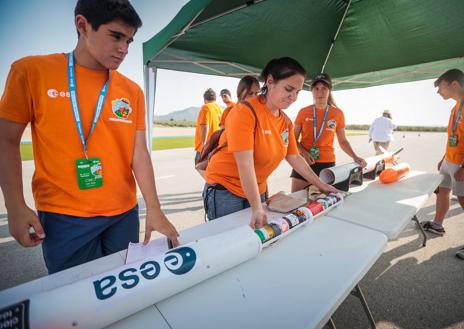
(188, 114)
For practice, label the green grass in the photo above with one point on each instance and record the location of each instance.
(26, 152)
(349, 133)
(158, 144)
(172, 143)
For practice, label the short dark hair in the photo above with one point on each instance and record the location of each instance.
(209, 95)
(281, 68)
(98, 12)
(450, 76)
(225, 92)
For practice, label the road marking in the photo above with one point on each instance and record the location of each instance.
(163, 177)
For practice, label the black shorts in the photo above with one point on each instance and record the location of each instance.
(317, 167)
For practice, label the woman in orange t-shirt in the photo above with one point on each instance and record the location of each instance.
(258, 136)
(318, 129)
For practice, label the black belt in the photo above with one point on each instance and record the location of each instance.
(217, 187)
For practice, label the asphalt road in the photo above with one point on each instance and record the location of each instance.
(408, 287)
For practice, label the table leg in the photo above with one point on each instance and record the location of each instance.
(358, 293)
(331, 324)
(424, 240)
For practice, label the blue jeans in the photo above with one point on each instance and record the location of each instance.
(71, 240)
(218, 201)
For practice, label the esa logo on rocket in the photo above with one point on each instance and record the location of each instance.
(178, 261)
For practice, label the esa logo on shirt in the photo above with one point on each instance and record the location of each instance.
(53, 93)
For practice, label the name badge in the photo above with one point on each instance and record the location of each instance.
(89, 173)
(314, 152)
(453, 140)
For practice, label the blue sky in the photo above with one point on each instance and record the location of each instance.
(30, 27)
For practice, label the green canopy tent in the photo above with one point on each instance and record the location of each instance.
(360, 43)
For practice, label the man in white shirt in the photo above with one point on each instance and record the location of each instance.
(381, 132)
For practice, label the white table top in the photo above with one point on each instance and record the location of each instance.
(296, 283)
(388, 208)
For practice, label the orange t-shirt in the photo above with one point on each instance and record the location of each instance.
(456, 154)
(229, 107)
(210, 115)
(37, 91)
(335, 120)
(271, 142)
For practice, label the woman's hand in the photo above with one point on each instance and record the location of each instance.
(307, 156)
(326, 188)
(258, 218)
(360, 161)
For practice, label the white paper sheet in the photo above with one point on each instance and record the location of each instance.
(154, 248)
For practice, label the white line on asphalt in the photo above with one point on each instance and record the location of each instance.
(163, 177)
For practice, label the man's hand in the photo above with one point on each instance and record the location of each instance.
(459, 175)
(20, 220)
(157, 221)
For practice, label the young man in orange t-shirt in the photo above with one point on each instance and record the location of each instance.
(207, 121)
(88, 134)
(450, 85)
(227, 99)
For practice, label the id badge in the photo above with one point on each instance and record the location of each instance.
(89, 173)
(453, 140)
(314, 152)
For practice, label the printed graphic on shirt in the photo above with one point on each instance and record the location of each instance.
(121, 109)
(53, 93)
(331, 124)
(285, 137)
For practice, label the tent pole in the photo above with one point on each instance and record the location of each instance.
(149, 106)
(336, 35)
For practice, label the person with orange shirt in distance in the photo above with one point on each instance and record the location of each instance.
(88, 132)
(318, 129)
(450, 86)
(258, 136)
(227, 99)
(207, 121)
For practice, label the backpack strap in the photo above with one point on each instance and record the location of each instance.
(220, 147)
(252, 111)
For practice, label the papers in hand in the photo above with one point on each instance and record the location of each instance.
(137, 251)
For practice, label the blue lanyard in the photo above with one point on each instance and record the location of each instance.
(316, 137)
(455, 123)
(75, 106)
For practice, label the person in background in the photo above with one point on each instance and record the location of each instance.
(317, 129)
(87, 156)
(248, 86)
(207, 121)
(450, 86)
(227, 99)
(258, 138)
(381, 132)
